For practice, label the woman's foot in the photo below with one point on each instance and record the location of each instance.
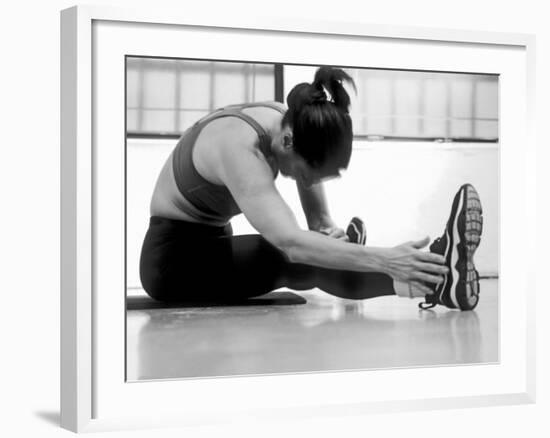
(460, 287)
(357, 231)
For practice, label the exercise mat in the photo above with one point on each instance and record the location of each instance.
(283, 298)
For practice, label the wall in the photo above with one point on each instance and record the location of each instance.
(402, 190)
(29, 182)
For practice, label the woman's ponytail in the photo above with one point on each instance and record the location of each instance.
(331, 79)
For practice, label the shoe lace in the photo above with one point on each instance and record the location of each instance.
(429, 302)
(426, 305)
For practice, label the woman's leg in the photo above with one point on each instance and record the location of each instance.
(259, 267)
(182, 261)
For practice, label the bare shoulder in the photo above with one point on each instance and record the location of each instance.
(266, 113)
(240, 157)
(220, 137)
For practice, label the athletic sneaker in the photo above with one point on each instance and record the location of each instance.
(460, 287)
(357, 231)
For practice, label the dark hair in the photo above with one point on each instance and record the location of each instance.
(322, 128)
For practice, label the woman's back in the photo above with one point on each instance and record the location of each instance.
(188, 187)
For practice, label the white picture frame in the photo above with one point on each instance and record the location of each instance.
(94, 394)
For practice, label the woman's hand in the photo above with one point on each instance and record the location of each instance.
(334, 232)
(406, 263)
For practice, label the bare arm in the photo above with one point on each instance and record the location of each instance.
(315, 206)
(255, 193)
(248, 177)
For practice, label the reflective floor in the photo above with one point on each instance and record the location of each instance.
(324, 334)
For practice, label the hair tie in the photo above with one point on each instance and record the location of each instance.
(319, 94)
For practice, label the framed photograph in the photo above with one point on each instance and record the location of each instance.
(230, 325)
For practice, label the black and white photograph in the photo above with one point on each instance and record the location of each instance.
(290, 218)
(276, 220)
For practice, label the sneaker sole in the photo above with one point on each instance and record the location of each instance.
(357, 231)
(466, 236)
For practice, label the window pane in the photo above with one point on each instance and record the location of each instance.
(486, 129)
(377, 97)
(160, 121)
(461, 128)
(264, 83)
(229, 86)
(461, 98)
(159, 86)
(487, 99)
(376, 105)
(407, 104)
(132, 120)
(435, 108)
(436, 98)
(132, 87)
(188, 118)
(195, 85)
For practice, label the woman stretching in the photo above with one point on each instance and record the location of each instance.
(226, 164)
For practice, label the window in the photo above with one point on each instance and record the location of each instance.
(405, 105)
(166, 96)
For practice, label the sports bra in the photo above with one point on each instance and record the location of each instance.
(212, 202)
